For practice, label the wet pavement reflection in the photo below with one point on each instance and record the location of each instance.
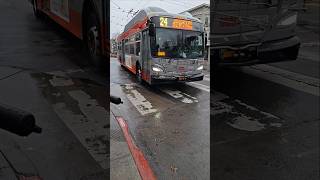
(169, 123)
(263, 124)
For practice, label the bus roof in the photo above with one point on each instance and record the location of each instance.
(149, 12)
(144, 14)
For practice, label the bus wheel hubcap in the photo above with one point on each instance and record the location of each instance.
(139, 74)
(92, 40)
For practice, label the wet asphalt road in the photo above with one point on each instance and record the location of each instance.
(265, 118)
(169, 123)
(44, 70)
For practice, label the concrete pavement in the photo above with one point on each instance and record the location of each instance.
(43, 70)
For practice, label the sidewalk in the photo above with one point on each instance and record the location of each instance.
(55, 153)
(122, 165)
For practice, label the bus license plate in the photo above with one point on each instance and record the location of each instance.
(181, 69)
(228, 54)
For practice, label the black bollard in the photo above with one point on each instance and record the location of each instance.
(115, 100)
(17, 121)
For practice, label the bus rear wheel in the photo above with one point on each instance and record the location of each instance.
(92, 41)
(138, 73)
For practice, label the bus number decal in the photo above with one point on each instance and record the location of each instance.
(163, 22)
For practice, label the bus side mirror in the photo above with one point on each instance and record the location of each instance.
(152, 29)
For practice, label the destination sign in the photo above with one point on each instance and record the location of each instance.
(176, 23)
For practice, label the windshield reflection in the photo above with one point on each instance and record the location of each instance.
(173, 43)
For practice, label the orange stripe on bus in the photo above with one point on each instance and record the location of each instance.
(135, 28)
(74, 25)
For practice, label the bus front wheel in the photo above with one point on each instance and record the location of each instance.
(92, 41)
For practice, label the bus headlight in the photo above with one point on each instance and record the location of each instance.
(288, 20)
(156, 69)
(200, 68)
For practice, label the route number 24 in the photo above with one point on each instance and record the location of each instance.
(163, 22)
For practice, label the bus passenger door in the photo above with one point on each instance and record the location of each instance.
(122, 55)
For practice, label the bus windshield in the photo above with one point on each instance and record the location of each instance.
(174, 43)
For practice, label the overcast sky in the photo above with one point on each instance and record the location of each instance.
(121, 11)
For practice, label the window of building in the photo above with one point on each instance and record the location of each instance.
(206, 22)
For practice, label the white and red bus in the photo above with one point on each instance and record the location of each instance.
(160, 47)
(86, 19)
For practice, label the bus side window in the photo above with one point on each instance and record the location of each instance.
(119, 46)
(137, 48)
(126, 49)
(131, 49)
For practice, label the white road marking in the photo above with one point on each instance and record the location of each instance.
(199, 86)
(206, 78)
(310, 44)
(255, 109)
(65, 72)
(139, 101)
(239, 119)
(183, 97)
(244, 122)
(87, 125)
(287, 78)
(60, 81)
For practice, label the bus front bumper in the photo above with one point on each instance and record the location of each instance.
(274, 51)
(160, 79)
